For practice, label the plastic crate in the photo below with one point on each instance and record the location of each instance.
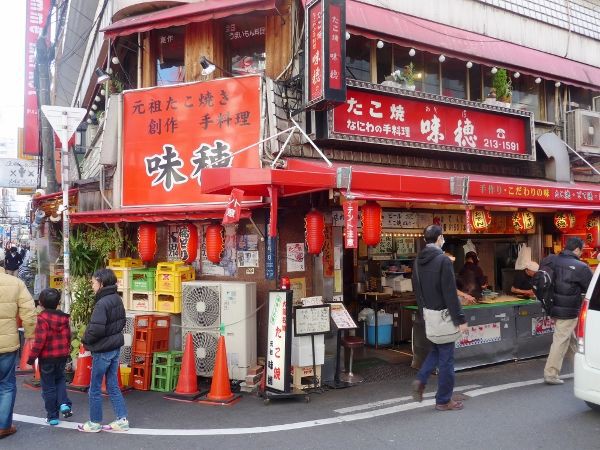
(169, 276)
(165, 370)
(169, 359)
(302, 377)
(151, 334)
(168, 302)
(122, 278)
(56, 281)
(126, 263)
(141, 371)
(142, 280)
(125, 375)
(141, 301)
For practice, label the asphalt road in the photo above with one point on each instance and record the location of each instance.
(506, 407)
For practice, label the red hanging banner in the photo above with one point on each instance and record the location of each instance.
(273, 211)
(351, 224)
(234, 207)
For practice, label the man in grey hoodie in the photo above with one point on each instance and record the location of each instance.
(434, 284)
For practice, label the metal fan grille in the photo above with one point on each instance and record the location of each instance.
(125, 353)
(205, 350)
(201, 306)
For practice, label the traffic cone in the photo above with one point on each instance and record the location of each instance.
(83, 372)
(220, 387)
(187, 384)
(36, 381)
(25, 352)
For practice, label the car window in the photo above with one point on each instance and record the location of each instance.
(595, 297)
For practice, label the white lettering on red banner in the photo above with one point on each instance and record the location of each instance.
(234, 207)
(351, 224)
(335, 47)
(315, 52)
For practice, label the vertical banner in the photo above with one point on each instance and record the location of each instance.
(234, 207)
(270, 253)
(351, 224)
(35, 18)
(279, 341)
(328, 263)
(274, 195)
(325, 40)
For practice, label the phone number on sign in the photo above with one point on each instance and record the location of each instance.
(504, 145)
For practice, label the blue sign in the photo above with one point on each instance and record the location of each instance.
(270, 254)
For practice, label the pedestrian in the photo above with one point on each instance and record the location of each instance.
(15, 301)
(571, 278)
(435, 288)
(104, 338)
(51, 347)
(12, 261)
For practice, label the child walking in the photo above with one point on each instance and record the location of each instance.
(51, 346)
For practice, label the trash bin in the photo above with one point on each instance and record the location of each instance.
(384, 328)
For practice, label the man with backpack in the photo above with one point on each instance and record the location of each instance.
(570, 280)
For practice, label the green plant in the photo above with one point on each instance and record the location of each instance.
(82, 306)
(407, 76)
(85, 260)
(115, 86)
(502, 85)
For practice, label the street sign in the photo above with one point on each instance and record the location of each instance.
(18, 173)
(56, 117)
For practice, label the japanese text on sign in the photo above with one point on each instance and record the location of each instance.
(350, 222)
(520, 191)
(316, 52)
(312, 320)
(276, 338)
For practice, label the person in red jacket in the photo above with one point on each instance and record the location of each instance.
(52, 344)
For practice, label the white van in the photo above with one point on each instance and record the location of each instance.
(587, 358)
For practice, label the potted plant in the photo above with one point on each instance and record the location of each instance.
(502, 86)
(404, 78)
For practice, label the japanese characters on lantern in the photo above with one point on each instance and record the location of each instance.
(523, 220)
(564, 221)
(480, 219)
(234, 207)
(592, 231)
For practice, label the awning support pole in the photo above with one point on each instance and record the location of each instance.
(583, 159)
(262, 236)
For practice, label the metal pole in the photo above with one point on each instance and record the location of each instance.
(64, 160)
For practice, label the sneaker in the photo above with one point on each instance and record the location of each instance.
(554, 381)
(90, 427)
(66, 410)
(117, 426)
(52, 422)
(417, 391)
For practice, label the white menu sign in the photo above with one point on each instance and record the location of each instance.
(276, 339)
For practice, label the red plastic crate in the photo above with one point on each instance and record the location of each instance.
(151, 334)
(141, 371)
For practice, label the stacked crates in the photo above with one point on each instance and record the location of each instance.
(122, 267)
(165, 370)
(141, 290)
(169, 277)
(151, 335)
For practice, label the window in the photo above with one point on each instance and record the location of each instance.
(550, 89)
(475, 83)
(454, 78)
(245, 41)
(170, 55)
(384, 62)
(580, 98)
(431, 73)
(358, 58)
(528, 95)
(403, 59)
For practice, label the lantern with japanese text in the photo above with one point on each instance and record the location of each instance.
(592, 231)
(371, 223)
(214, 243)
(188, 242)
(480, 219)
(564, 221)
(314, 224)
(146, 237)
(523, 221)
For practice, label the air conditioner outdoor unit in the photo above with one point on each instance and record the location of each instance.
(583, 130)
(596, 103)
(207, 304)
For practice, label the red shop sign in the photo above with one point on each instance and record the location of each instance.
(389, 116)
(497, 190)
(234, 207)
(326, 58)
(351, 224)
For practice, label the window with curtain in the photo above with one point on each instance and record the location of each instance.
(358, 58)
(454, 78)
(431, 73)
(170, 55)
(245, 43)
(528, 95)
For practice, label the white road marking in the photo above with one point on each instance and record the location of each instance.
(389, 401)
(286, 426)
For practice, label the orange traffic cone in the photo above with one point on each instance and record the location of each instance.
(83, 372)
(25, 352)
(187, 384)
(36, 381)
(220, 388)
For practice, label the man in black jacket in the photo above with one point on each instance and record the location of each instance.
(571, 280)
(435, 288)
(13, 261)
(104, 338)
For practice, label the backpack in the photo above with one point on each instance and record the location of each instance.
(543, 286)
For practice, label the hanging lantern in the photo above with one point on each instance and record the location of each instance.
(564, 221)
(523, 221)
(592, 231)
(146, 237)
(314, 226)
(214, 243)
(188, 243)
(371, 223)
(480, 219)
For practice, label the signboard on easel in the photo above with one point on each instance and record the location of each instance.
(311, 320)
(279, 341)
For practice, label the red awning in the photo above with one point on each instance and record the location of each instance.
(185, 14)
(379, 23)
(171, 214)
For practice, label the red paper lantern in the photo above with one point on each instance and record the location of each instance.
(371, 223)
(188, 242)
(214, 243)
(523, 221)
(564, 221)
(480, 219)
(147, 241)
(592, 228)
(314, 225)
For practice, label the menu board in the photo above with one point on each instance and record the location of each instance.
(279, 341)
(341, 317)
(312, 320)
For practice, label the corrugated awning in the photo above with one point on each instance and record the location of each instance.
(185, 14)
(174, 214)
(379, 23)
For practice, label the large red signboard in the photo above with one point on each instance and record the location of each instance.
(389, 116)
(35, 16)
(171, 133)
